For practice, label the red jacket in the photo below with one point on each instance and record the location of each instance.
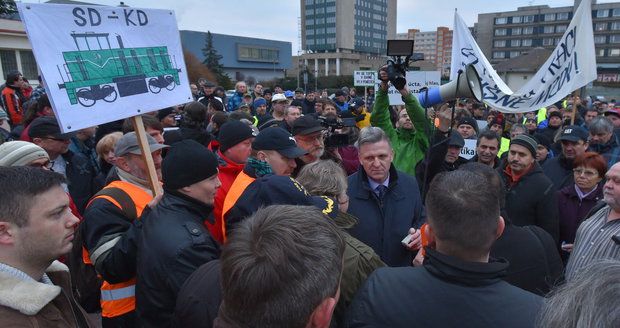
(228, 172)
(12, 101)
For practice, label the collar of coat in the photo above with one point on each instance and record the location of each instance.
(28, 296)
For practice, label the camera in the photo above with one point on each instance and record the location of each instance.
(332, 123)
(397, 66)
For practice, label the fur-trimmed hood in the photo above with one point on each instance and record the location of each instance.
(28, 297)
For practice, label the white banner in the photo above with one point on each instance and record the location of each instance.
(416, 80)
(364, 78)
(102, 64)
(469, 150)
(571, 66)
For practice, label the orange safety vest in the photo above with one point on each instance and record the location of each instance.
(118, 299)
(236, 189)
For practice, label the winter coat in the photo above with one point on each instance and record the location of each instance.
(573, 211)
(534, 262)
(532, 201)
(350, 159)
(29, 303)
(560, 171)
(234, 101)
(409, 145)
(445, 292)
(173, 243)
(228, 171)
(81, 178)
(199, 299)
(609, 150)
(188, 132)
(383, 224)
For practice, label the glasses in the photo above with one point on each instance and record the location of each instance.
(586, 173)
(56, 139)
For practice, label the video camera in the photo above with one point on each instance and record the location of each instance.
(332, 123)
(397, 67)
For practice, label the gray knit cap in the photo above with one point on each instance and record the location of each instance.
(20, 153)
(525, 141)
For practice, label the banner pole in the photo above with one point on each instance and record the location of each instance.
(146, 154)
(573, 109)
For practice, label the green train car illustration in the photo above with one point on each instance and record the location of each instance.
(96, 71)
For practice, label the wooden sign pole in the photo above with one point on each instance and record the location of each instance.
(573, 109)
(147, 156)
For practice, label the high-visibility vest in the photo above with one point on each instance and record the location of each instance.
(118, 299)
(236, 189)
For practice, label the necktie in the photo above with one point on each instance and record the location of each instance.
(380, 191)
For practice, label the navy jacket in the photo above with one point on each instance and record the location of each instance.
(560, 171)
(445, 292)
(382, 225)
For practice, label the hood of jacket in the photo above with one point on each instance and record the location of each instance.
(28, 296)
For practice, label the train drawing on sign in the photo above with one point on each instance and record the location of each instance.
(96, 71)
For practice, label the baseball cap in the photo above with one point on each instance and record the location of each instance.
(299, 90)
(47, 126)
(305, 125)
(339, 93)
(128, 144)
(289, 94)
(574, 133)
(356, 103)
(278, 139)
(209, 84)
(278, 97)
(612, 111)
(456, 139)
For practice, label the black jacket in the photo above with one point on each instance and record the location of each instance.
(199, 299)
(173, 243)
(81, 178)
(445, 292)
(532, 201)
(435, 162)
(560, 171)
(186, 132)
(534, 262)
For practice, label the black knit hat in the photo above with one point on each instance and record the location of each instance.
(232, 133)
(525, 141)
(186, 163)
(469, 121)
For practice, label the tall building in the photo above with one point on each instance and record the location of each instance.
(505, 35)
(338, 37)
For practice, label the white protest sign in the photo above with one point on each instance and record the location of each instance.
(469, 150)
(482, 124)
(364, 78)
(102, 64)
(572, 65)
(416, 80)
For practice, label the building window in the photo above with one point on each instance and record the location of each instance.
(549, 17)
(500, 31)
(615, 12)
(514, 54)
(547, 42)
(615, 26)
(600, 52)
(528, 30)
(310, 42)
(499, 43)
(600, 39)
(528, 19)
(501, 20)
(309, 22)
(515, 43)
(310, 32)
(29, 65)
(600, 26)
(526, 42)
(258, 54)
(614, 38)
(614, 52)
(602, 13)
(309, 2)
(499, 54)
(330, 9)
(562, 16)
(560, 28)
(8, 60)
(516, 19)
(549, 29)
(516, 31)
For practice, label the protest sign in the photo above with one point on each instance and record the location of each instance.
(469, 150)
(572, 65)
(102, 64)
(364, 78)
(416, 80)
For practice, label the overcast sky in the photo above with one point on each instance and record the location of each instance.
(278, 19)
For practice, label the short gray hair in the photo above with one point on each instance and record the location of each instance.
(514, 127)
(323, 178)
(601, 124)
(371, 134)
(591, 299)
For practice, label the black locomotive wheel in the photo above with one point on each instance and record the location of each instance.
(153, 85)
(170, 81)
(111, 91)
(85, 97)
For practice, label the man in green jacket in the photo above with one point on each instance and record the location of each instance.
(410, 137)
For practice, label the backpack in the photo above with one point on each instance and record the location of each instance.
(86, 283)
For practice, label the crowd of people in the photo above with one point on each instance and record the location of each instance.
(280, 208)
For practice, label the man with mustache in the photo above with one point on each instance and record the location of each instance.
(530, 196)
(559, 169)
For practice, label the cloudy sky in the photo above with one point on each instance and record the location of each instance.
(278, 19)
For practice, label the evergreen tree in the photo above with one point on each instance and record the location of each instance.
(7, 7)
(212, 61)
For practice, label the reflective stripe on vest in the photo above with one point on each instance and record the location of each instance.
(236, 189)
(119, 299)
(118, 294)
